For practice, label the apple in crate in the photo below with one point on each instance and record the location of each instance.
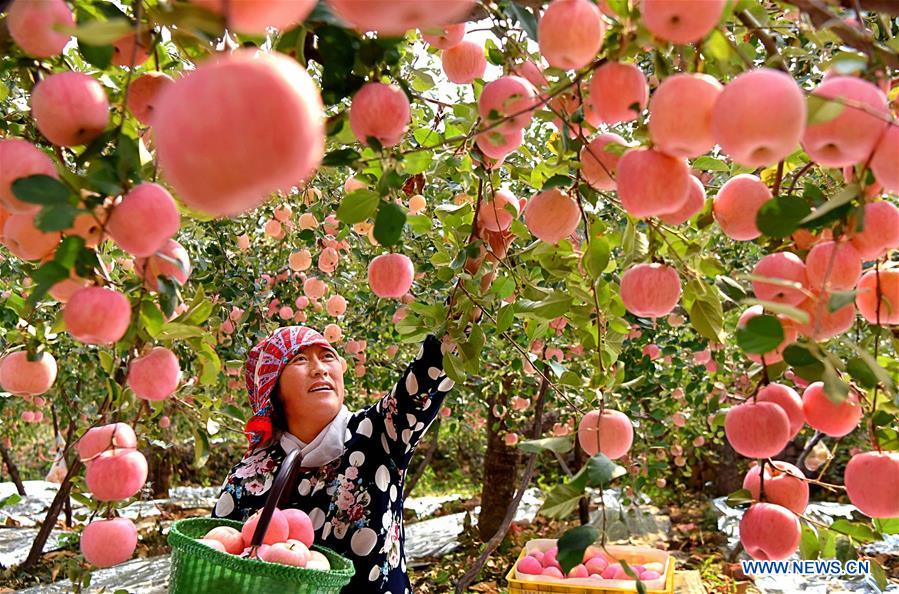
(530, 565)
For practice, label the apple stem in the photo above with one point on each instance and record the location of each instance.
(762, 480)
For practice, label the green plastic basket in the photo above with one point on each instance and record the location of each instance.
(200, 569)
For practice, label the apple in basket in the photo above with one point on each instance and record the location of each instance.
(286, 553)
(286, 541)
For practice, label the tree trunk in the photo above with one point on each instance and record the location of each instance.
(160, 475)
(497, 539)
(731, 469)
(62, 495)
(412, 480)
(13, 470)
(500, 464)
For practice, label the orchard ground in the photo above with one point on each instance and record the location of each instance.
(658, 239)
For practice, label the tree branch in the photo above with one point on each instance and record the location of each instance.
(497, 539)
(770, 46)
(823, 17)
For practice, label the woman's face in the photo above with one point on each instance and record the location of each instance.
(311, 386)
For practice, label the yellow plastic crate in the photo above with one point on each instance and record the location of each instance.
(517, 586)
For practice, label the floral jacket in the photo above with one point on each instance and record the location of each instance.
(356, 501)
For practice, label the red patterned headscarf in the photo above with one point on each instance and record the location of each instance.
(264, 365)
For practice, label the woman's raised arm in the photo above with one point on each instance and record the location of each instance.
(414, 402)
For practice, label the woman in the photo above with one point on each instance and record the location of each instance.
(354, 464)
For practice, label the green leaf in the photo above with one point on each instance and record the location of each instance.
(708, 319)
(842, 198)
(101, 32)
(861, 373)
(477, 339)
(808, 543)
(127, 157)
(781, 215)
(619, 6)
(845, 550)
(46, 276)
(10, 500)
(341, 158)
(560, 445)
(563, 499)
(600, 471)
(97, 55)
(422, 81)
(718, 47)
(57, 217)
(50, 273)
(827, 543)
(201, 447)
(882, 418)
(821, 110)
(107, 363)
(102, 177)
(710, 164)
(741, 497)
(858, 531)
(417, 162)
(503, 286)
(505, 318)
(174, 330)
(847, 63)
(887, 525)
(167, 288)
(760, 335)
(452, 364)
(41, 189)
(840, 299)
(882, 374)
(211, 366)
(835, 388)
(780, 308)
(799, 356)
(549, 308)
(151, 318)
(68, 251)
(557, 181)
(389, 223)
(597, 257)
(572, 545)
(525, 17)
(804, 363)
(390, 180)
(357, 206)
(731, 288)
(879, 575)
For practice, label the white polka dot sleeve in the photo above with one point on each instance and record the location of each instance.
(414, 402)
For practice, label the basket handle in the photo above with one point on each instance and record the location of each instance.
(290, 464)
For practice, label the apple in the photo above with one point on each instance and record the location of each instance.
(757, 429)
(105, 543)
(769, 532)
(784, 485)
